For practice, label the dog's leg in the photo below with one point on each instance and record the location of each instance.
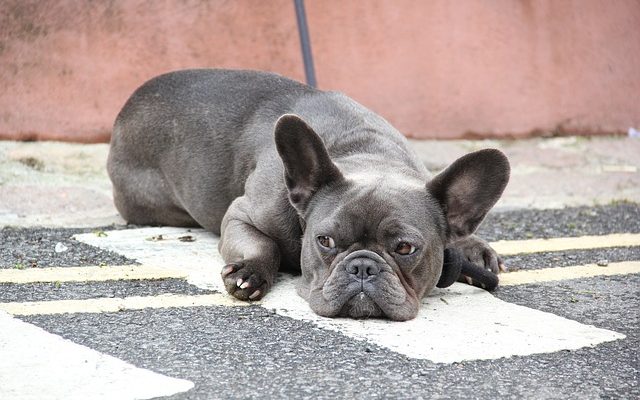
(252, 257)
(480, 253)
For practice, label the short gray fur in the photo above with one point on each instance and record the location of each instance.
(279, 168)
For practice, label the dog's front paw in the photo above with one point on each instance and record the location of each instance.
(479, 252)
(246, 280)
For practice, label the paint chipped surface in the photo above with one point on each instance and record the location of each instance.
(35, 364)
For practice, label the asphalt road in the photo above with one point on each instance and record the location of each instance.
(252, 352)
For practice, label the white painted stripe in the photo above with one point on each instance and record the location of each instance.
(455, 324)
(450, 318)
(199, 259)
(511, 247)
(35, 364)
(104, 304)
(89, 274)
(562, 273)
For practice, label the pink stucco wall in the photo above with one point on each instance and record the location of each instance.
(438, 68)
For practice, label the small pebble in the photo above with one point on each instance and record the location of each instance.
(603, 263)
(60, 248)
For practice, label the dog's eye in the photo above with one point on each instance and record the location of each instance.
(405, 249)
(326, 242)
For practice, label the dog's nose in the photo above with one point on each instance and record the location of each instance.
(363, 267)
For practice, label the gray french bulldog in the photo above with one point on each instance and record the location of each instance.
(294, 178)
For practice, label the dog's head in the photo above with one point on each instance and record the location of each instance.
(374, 240)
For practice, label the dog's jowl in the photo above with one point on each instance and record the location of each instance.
(294, 178)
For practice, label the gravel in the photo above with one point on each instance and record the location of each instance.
(10, 292)
(577, 221)
(572, 257)
(36, 248)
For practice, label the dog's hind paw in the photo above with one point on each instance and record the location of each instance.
(246, 281)
(480, 253)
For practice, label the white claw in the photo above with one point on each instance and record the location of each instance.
(468, 279)
(254, 294)
(244, 285)
(239, 282)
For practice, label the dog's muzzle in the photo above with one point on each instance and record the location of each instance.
(363, 265)
(363, 268)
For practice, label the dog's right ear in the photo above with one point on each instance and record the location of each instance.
(307, 166)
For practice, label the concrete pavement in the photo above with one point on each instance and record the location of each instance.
(66, 185)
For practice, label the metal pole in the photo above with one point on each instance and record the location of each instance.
(305, 43)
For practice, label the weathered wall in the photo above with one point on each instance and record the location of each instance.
(450, 68)
(434, 68)
(68, 66)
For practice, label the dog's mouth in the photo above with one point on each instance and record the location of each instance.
(363, 285)
(361, 306)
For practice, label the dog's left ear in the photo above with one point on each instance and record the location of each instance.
(468, 188)
(307, 166)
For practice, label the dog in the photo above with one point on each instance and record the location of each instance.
(299, 179)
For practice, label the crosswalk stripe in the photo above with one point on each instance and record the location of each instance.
(563, 273)
(89, 274)
(103, 305)
(512, 247)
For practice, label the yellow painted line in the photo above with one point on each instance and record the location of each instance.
(103, 305)
(511, 247)
(88, 274)
(563, 273)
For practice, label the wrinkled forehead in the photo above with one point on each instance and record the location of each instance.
(369, 202)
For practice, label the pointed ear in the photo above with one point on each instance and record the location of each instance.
(307, 166)
(468, 188)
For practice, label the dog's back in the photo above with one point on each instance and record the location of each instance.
(182, 126)
(185, 142)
